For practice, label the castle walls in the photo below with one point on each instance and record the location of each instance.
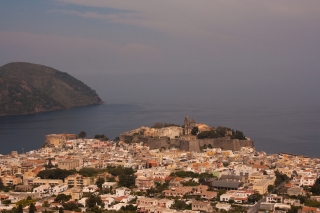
(57, 139)
(170, 132)
(194, 145)
(225, 143)
(157, 143)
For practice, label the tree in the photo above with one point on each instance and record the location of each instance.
(270, 188)
(32, 208)
(71, 206)
(180, 205)
(294, 209)
(99, 182)
(254, 197)
(49, 165)
(20, 210)
(55, 174)
(82, 134)
(238, 135)
(101, 137)
(45, 204)
(1, 185)
(130, 208)
(280, 178)
(62, 198)
(220, 192)
(315, 189)
(225, 164)
(111, 179)
(126, 180)
(195, 130)
(231, 201)
(92, 201)
(150, 192)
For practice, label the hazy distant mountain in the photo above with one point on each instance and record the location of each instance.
(29, 88)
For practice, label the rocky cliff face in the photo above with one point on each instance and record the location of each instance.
(170, 132)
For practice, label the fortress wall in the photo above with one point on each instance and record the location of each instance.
(193, 145)
(170, 132)
(55, 139)
(177, 143)
(184, 145)
(244, 143)
(157, 143)
(223, 143)
(226, 143)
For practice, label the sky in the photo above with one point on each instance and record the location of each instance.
(179, 51)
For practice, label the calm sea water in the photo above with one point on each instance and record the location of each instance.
(273, 129)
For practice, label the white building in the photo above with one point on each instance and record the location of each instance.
(43, 189)
(59, 188)
(123, 191)
(90, 188)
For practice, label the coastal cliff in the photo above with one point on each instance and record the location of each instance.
(27, 88)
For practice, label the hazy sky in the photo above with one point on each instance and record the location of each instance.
(177, 51)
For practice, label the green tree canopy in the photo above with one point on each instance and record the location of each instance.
(20, 209)
(88, 172)
(101, 137)
(130, 208)
(254, 197)
(126, 180)
(280, 178)
(1, 185)
(92, 201)
(82, 134)
(116, 171)
(99, 182)
(32, 208)
(160, 125)
(181, 205)
(270, 188)
(55, 174)
(315, 189)
(72, 206)
(62, 198)
(195, 130)
(238, 135)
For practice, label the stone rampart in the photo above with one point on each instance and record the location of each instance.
(57, 139)
(194, 145)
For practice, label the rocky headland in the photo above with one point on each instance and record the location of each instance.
(27, 88)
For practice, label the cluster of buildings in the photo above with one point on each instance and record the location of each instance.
(238, 174)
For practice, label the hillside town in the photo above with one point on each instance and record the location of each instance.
(76, 174)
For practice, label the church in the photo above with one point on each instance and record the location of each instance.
(188, 125)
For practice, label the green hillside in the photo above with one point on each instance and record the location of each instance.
(29, 88)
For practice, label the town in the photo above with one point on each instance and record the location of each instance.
(72, 173)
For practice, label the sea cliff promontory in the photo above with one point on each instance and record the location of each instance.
(27, 88)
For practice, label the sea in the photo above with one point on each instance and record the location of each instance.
(293, 129)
